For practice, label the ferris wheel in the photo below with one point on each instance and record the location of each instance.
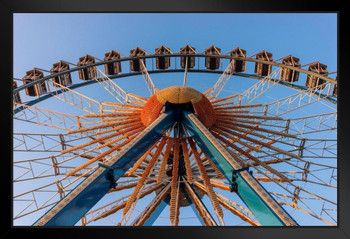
(256, 148)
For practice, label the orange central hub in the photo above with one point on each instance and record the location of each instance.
(179, 95)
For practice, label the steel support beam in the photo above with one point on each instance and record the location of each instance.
(264, 207)
(188, 189)
(69, 210)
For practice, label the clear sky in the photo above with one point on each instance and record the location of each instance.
(39, 40)
(42, 39)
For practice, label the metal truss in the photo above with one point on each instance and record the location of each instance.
(38, 142)
(259, 88)
(116, 91)
(31, 201)
(75, 98)
(302, 126)
(152, 89)
(115, 206)
(46, 117)
(220, 84)
(294, 102)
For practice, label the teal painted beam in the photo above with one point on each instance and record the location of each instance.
(157, 211)
(69, 210)
(210, 218)
(264, 207)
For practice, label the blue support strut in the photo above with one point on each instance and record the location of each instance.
(253, 194)
(154, 216)
(82, 198)
(209, 217)
(159, 209)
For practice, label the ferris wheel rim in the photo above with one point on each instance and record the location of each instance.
(297, 87)
(171, 56)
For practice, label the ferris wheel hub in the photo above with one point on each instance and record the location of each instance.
(178, 96)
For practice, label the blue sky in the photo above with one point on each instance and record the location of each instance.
(39, 40)
(42, 39)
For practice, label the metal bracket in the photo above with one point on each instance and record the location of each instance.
(109, 175)
(301, 147)
(234, 185)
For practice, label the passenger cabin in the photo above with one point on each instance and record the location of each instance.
(238, 65)
(335, 88)
(212, 63)
(16, 97)
(262, 69)
(314, 81)
(162, 62)
(36, 89)
(115, 67)
(288, 74)
(190, 60)
(64, 79)
(135, 65)
(88, 73)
